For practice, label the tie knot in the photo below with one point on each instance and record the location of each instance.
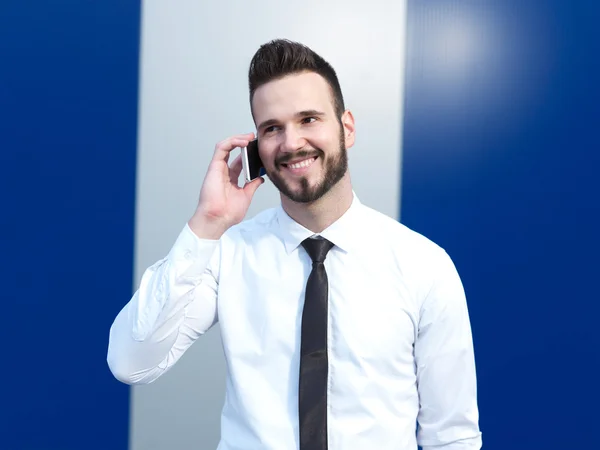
(317, 249)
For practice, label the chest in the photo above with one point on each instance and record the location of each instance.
(372, 319)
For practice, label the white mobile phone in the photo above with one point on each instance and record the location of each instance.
(251, 162)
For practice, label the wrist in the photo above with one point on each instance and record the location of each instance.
(206, 227)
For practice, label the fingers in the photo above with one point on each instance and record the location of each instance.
(235, 169)
(223, 148)
(250, 188)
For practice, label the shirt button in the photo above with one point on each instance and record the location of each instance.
(188, 254)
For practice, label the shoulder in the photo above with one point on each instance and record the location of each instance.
(407, 248)
(396, 233)
(414, 258)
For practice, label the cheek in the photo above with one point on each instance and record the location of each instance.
(319, 138)
(330, 137)
(267, 154)
(330, 145)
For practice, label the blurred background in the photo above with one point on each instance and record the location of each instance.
(478, 126)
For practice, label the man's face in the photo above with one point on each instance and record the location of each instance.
(302, 142)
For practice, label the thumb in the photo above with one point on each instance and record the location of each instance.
(250, 188)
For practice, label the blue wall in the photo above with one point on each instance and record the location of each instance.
(68, 119)
(501, 160)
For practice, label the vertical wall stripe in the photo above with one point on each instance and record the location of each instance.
(500, 168)
(194, 94)
(68, 114)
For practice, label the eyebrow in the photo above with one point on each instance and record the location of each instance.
(298, 115)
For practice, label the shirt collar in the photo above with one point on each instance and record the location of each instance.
(341, 233)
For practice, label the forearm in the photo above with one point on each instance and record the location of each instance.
(136, 359)
(174, 305)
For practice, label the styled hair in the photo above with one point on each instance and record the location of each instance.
(281, 57)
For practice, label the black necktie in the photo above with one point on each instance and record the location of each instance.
(312, 393)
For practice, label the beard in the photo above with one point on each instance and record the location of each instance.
(334, 167)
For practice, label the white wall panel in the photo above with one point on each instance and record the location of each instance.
(194, 93)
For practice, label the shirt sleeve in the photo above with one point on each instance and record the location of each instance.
(176, 303)
(448, 416)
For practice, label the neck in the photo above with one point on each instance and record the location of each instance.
(318, 215)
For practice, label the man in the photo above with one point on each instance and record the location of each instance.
(342, 328)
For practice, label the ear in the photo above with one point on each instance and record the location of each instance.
(348, 127)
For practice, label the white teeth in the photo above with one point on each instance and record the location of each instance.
(305, 163)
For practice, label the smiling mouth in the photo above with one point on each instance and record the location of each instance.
(301, 164)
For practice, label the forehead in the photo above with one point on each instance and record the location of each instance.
(290, 94)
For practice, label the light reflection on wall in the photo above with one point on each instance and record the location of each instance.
(477, 66)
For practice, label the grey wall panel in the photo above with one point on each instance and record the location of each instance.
(194, 64)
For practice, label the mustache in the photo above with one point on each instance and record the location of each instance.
(284, 159)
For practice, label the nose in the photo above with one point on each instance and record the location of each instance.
(292, 141)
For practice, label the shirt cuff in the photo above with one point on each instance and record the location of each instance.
(473, 443)
(191, 255)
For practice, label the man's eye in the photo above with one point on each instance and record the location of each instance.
(271, 129)
(309, 119)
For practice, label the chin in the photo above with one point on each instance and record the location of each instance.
(306, 194)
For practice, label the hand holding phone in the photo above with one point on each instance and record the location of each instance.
(223, 203)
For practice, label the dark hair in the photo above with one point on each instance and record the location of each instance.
(282, 57)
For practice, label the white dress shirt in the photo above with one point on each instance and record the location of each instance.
(399, 337)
